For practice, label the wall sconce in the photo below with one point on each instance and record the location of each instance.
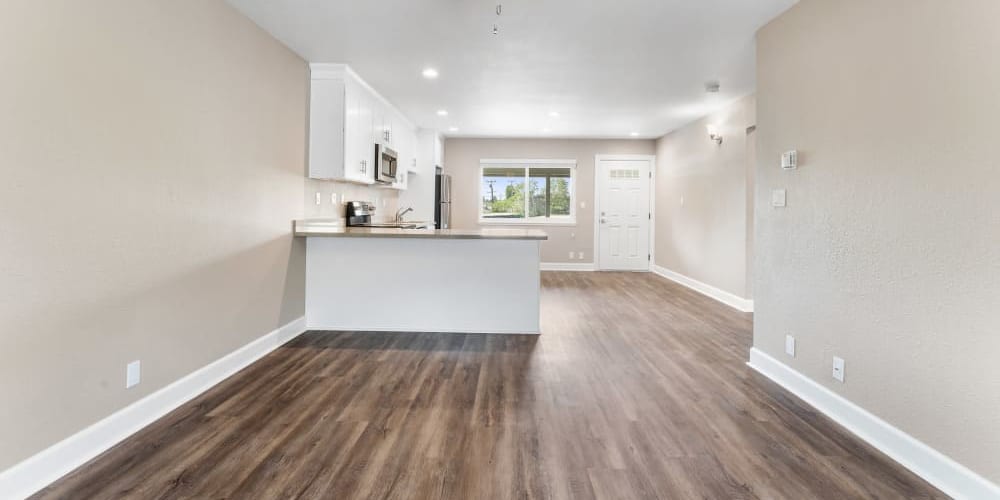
(714, 135)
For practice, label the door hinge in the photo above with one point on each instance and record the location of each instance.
(649, 257)
(650, 215)
(650, 174)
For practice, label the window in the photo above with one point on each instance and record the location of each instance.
(527, 191)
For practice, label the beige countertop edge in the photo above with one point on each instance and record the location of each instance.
(327, 230)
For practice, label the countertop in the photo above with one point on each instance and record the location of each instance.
(326, 228)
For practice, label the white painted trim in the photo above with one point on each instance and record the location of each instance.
(43, 468)
(519, 161)
(567, 266)
(951, 477)
(723, 296)
(595, 204)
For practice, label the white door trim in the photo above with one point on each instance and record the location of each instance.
(652, 203)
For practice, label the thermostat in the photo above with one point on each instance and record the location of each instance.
(790, 160)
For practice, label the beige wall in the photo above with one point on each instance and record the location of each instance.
(152, 155)
(701, 200)
(462, 163)
(888, 253)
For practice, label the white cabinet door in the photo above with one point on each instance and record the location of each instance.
(366, 141)
(327, 117)
(352, 154)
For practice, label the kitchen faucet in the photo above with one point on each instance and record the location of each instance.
(401, 212)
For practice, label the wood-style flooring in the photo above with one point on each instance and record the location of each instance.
(636, 389)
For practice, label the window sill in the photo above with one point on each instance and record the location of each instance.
(527, 222)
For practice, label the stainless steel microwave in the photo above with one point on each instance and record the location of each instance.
(386, 161)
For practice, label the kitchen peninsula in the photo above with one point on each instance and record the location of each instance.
(421, 280)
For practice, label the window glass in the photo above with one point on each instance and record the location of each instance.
(502, 193)
(549, 191)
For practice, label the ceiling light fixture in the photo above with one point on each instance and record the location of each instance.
(554, 114)
(452, 129)
(546, 130)
(442, 112)
(430, 73)
(634, 134)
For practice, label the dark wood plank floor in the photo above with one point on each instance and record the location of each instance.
(637, 388)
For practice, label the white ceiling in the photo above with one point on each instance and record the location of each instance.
(608, 67)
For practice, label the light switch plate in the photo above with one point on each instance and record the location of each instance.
(790, 345)
(778, 198)
(838, 368)
(133, 374)
(319, 198)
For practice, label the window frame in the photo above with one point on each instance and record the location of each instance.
(559, 220)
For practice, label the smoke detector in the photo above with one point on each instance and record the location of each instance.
(712, 87)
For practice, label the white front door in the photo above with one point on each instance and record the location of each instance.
(623, 214)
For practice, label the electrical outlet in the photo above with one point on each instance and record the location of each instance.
(333, 199)
(838, 368)
(319, 198)
(580, 254)
(133, 374)
(583, 204)
(571, 256)
(790, 345)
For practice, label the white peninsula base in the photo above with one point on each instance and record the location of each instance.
(422, 284)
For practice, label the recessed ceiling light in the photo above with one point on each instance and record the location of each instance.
(430, 73)
(634, 134)
(452, 129)
(554, 114)
(442, 112)
(546, 129)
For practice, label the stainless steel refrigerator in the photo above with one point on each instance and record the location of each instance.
(442, 201)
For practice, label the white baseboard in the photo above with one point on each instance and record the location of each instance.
(723, 296)
(949, 476)
(40, 470)
(567, 266)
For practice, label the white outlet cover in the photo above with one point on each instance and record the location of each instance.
(580, 254)
(778, 198)
(319, 198)
(133, 374)
(333, 198)
(838, 368)
(682, 201)
(583, 204)
(790, 345)
(571, 255)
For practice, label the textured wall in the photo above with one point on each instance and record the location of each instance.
(888, 253)
(153, 155)
(705, 238)
(462, 163)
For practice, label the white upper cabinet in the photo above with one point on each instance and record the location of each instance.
(346, 119)
(430, 152)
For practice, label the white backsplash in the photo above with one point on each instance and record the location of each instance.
(386, 200)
